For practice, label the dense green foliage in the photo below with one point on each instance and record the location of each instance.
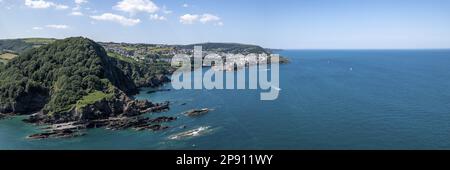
(60, 73)
(142, 74)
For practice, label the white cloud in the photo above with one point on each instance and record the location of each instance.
(78, 4)
(205, 18)
(61, 7)
(81, 1)
(38, 4)
(41, 4)
(157, 17)
(135, 6)
(76, 13)
(188, 19)
(57, 26)
(37, 28)
(117, 18)
(209, 18)
(185, 5)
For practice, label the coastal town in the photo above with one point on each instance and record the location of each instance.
(236, 57)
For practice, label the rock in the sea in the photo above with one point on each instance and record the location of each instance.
(66, 133)
(137, 123)
(73, 129)
(159, 107)
(197, 112)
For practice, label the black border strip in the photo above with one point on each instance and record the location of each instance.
(147, 159)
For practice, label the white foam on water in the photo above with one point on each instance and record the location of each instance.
(191, 133)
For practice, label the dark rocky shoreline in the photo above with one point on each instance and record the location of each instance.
(76, 129)
(120, 112)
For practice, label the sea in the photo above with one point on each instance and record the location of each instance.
(328, 99)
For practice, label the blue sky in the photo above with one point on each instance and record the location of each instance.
(292, 24)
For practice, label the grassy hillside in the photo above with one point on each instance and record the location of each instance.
(22, 45)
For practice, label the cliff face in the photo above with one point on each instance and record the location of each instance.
(143, 75)
(117, 105)
(70, 79)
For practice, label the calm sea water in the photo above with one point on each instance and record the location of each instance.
(335, 99)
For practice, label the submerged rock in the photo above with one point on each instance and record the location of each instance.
(138, 123)
(66, 133)
(73, 129)
(197, 112)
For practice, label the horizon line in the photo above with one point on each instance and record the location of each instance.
(337, 49)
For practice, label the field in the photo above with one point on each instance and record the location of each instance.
(5, 57)
(120, 57)
(39, 40)
(92, 98)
